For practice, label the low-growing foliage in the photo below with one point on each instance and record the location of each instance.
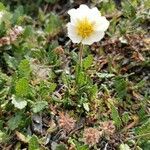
(48, 100)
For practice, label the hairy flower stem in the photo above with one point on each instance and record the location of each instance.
(80, 54)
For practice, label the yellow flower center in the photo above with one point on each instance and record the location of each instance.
(84, 28)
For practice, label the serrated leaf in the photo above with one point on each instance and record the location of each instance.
(144, 130)
(22, 87)
(107, 7)
(33, 143)
(38, 106)
(125, 117)
(28, 32)
(120, 87)
(14, 122)
(11, 61)
(93, 89)
(46, 89)
(53, 25)
(52, 87)
(115, 116)
(19, 103)
(81, 77)
(17, 16)
(3, 137)
(87, 62)
(24, 68)
(128, 10)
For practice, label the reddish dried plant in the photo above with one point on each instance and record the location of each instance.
(11, 36)
(66, 122)
(107, 127)
(91, 136)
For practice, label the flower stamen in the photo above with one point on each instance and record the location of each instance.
(84, 28)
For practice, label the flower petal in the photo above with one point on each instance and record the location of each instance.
(95, 12)
(73, 15)
(95, 37)
(72, 33)
(95, 9)
(83, 7)
(102, 24)
(79, 13)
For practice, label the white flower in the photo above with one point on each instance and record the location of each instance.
(87, 25)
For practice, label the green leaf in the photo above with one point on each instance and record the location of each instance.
(38, 106)
(53, 25)
(52, 56)
(2, 7)
(52, 87)
(46, 89)
(125, 117)
(93, 90)
(24, 68)
(1, 124)
(107, 7)
(87, 62)
(22, 87)
(77, 145)
(81, 78)
(4, 92)
(145, 145)
(28, 32)
(60, 147)
(144, 130)
(19, 103)
(11, 61)
(14, 122)
(33, 143)
(120, 87)
(115, 116)
(128, 10)
(124, 147)
(2, 28)
(3, 137)
(17, 16)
